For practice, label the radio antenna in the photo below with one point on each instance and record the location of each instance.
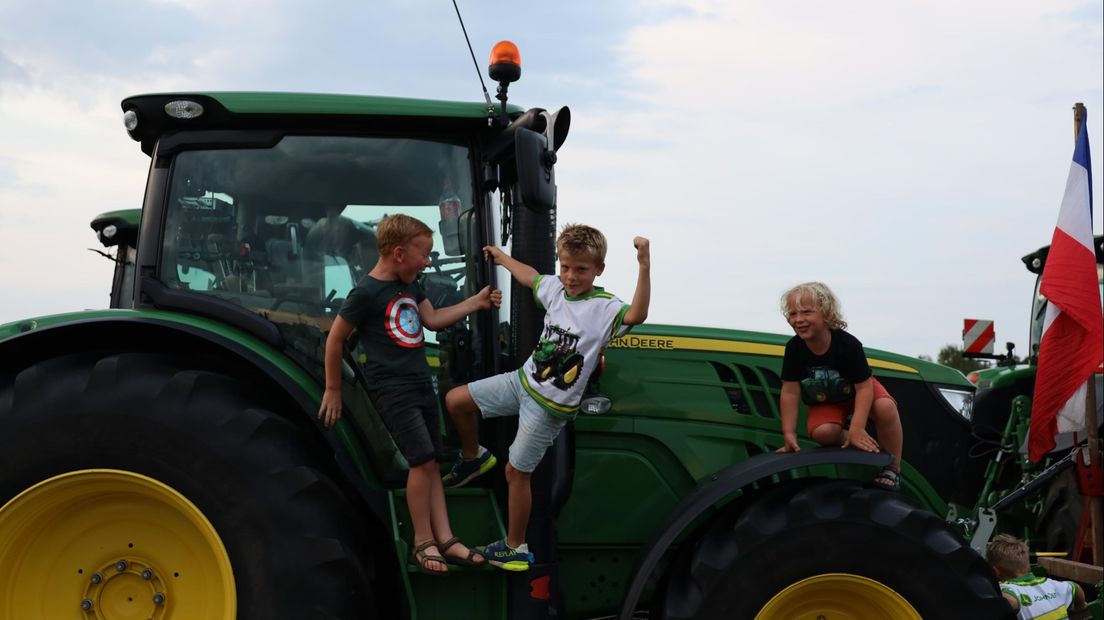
(486, 95)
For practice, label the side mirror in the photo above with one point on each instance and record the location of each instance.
(536, 177)
(449, 207)
(525, 152)
(556, 126)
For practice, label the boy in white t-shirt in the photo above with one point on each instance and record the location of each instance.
(580, 320)
(1030, 596)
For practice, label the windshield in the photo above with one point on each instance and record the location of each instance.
(287, 231)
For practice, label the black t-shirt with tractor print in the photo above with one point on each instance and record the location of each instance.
(828, 378)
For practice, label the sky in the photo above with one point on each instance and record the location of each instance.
(906, 153)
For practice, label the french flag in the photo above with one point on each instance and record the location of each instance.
(1072, 346)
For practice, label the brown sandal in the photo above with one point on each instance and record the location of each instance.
(469, 560)
(420, 558)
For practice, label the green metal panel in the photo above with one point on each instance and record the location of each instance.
(625, 484)
(129, 216)
(667, 378)
(704, 339)
(1003, 376)
(332, 104)
(593, 579)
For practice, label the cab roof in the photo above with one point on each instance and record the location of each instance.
(299, 111)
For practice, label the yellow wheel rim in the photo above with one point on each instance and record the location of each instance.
(106, 544)
(838, 596)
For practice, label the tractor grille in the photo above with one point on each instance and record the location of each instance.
(751, 390)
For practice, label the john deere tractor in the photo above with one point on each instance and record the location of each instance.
(1041, 502)
(162, 458)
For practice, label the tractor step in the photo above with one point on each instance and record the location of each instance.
(466, 593)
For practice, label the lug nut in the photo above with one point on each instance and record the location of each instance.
(121, 565)
(158, 598)
(86, 604)
(97, 577)
(147, 574)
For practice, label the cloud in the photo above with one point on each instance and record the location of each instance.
(886, 149)
(55, 39)
(11, 72)
(908, 153)
(1090, 14)
(8, 176)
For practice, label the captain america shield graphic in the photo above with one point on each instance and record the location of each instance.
(403, 323)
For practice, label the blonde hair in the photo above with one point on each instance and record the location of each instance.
(397, 230)
(824, 299)
(1009, 554)
(582, 240)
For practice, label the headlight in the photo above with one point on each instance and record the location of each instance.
(961, 401)
(184, 109)
(130, 120)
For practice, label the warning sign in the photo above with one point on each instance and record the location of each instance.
(977, 336)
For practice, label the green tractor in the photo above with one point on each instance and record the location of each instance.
(1049, 513)
(162, 458)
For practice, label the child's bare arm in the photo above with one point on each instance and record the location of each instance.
(523, 273)
(1079, 602)
(440, 318)
(638, 311)
(330, 411)
(857, 435)
(787, 405)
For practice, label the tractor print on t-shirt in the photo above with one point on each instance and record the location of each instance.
(556, 358)
(825, 385)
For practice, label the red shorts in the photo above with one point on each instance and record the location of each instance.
(839, 413)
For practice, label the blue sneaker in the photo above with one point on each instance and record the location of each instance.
(506, 557)
(466, 470)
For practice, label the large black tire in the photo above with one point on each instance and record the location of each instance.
(746, 557)
(1058, 519)
(287, 528)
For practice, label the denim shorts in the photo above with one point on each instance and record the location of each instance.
(503, 395)
(411, 414)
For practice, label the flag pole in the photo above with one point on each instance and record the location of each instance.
(1092, 435)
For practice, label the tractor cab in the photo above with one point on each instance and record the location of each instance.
(1035, 263)
(119, 230)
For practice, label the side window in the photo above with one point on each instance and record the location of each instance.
(200, 252)
(195, 278)
(124, 296)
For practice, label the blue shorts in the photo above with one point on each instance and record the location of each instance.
(503, 395)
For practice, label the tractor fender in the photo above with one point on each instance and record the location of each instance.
(42, 338)
(721, 485)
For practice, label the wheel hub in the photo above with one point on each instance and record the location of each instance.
(127, 589)
(111, 545)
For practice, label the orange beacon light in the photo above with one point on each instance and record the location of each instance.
(505, 62)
